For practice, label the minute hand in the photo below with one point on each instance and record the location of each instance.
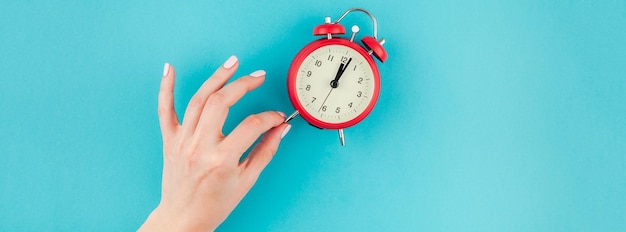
(342, 68)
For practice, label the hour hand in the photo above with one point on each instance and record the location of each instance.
(335, 82)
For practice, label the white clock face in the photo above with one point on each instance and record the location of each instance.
(335, 84)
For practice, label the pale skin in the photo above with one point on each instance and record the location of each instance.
(203, 178)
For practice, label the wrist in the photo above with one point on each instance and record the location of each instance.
(163, 220)
(154, 222)
(158, 220)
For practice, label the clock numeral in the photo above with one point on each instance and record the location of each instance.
(338, 110)
(359, 94)
(360, 80)
(344, 59)
(331, 57)
(324, 108)
(308, 73)
(308, 87)
(313, 99)
(350, 104)
(318, 63)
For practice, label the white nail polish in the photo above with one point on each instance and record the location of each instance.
(258, 73)
(285, 131)
(232, 60)
(166, 69)
(281, 114)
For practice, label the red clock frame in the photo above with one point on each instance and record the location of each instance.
(293, 74)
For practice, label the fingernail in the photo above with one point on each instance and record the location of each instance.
(258, 73)
(285, 131)
(166, 69)
(232, 60)
(281, 113)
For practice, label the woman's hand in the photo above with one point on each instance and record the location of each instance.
(203, 179)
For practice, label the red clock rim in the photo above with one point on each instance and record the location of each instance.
(293, 73)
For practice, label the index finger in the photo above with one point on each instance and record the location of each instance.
(249, 130)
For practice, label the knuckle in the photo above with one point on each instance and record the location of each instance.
(219, 166)
(269, 149)
(272, 149)
(161, 111)
(162, 106)
(247, 84)
(191, 152)
(196, 101)
(220, 171)
(253, 121)
(216, 99)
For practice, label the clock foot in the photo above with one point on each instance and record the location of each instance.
(292, 116)
(341, 137)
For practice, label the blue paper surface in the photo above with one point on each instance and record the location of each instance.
(493, 115)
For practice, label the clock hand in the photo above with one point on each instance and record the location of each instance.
(345, 67)
(331, 90)
(334, 83)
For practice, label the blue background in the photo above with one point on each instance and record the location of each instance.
(493, 116)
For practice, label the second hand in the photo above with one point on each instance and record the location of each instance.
(331, 90)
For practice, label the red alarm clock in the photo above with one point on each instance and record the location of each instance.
(333, 82)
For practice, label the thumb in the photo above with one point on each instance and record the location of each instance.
(263, 152)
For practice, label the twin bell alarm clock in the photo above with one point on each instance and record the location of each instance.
(333, 82)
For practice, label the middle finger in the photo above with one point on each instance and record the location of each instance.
(216, 107)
